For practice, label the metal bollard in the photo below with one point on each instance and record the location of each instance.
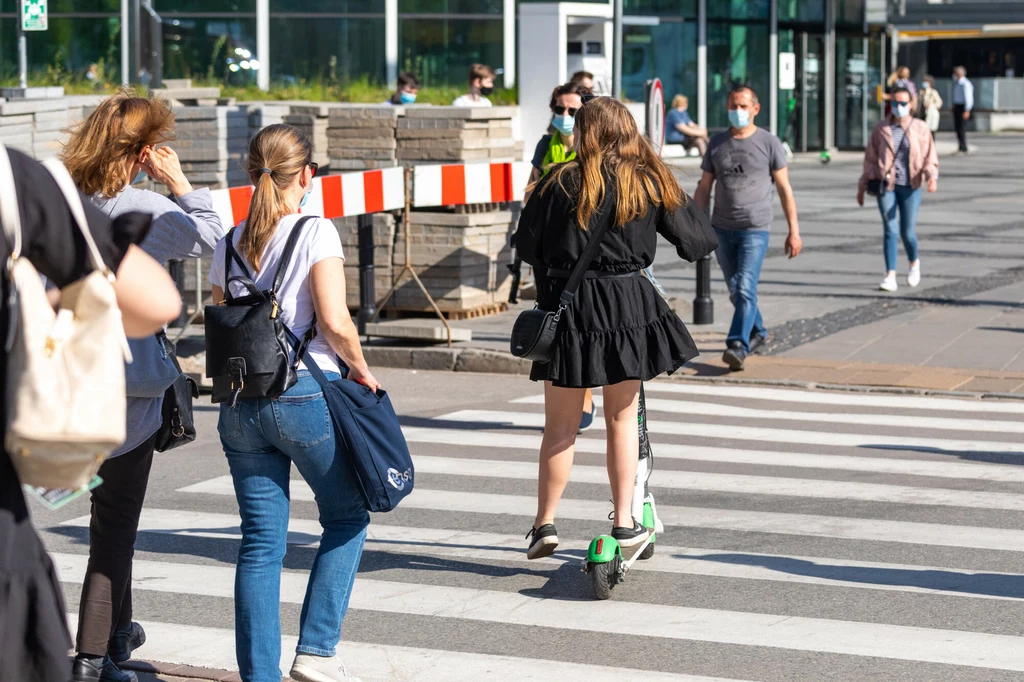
(367, 295)
(176, 269)
(703, 306)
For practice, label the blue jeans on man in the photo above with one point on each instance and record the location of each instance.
(907, 202)
(740, 254)
(262, 439)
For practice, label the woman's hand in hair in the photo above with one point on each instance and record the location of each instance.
(163, 166)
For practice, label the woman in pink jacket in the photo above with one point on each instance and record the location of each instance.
(901, 155)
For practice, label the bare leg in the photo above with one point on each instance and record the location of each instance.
(620, 416)
(702, 145)
(563, 408)
(588, 401)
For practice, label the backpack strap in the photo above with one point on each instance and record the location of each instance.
(289, 249)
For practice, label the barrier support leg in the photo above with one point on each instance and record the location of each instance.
(367, 295)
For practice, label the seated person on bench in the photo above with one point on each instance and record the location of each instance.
(680, 128)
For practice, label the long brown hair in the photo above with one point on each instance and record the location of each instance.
(116, 131)
(607, 141)
(285, 152)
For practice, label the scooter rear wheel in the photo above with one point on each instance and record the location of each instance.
(603, 578)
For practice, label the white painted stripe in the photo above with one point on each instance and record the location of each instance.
(716, 563)
(222, 206)
(909, 402)
(688, 409)
(880, 530)
(521, 171)
(315, 204)
(394, 188)
(426, 186)
(478, 183)
(980, 471)
(739, 484)
(215, 647)
(950, 647)
(493, 419)
(353, 195)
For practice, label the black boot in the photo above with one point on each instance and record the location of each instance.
(125, 641)
(96, 669)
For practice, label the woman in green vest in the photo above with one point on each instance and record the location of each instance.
(555, 148)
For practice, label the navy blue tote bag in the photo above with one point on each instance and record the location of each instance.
(367, 427)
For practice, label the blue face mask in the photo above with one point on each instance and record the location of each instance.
(305, 198)
(564, 124)
(901, 110)
(139, 177)
(739, 118)
(407, 97)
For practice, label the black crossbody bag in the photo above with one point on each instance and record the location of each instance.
(535, 331)
(879, 187)
(178, 426)
(247, 345)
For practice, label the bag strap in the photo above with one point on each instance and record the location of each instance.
(302, 352)
(74, 201)
(906, 134)
(580, 269)
(10, 214)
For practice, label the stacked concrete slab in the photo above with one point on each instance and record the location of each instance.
(362, 138)
(34, 120)
(263, 114)
(313, 120)
(383, 254)
(430, 135)
(212, 144)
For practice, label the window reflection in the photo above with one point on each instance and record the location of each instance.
(737, 55)
(441, 50)
(220, 49)
(329, 50)
(668, 51)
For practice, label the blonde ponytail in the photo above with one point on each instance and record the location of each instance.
(276, 155)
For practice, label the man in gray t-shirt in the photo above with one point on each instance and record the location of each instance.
(742, 164)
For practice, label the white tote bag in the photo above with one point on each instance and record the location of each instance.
(65, 369)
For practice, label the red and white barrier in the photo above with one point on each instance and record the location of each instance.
(334, 196)
(473, 183)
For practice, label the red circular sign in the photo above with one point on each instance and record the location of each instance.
(656, 114)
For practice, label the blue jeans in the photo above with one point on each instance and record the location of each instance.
(908, 201)
(262, 438)
(740, 255)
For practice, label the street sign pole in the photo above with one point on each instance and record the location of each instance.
(33, 18)
(22, 58)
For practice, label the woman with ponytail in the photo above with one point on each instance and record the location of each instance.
(617, 331)
(262, 438)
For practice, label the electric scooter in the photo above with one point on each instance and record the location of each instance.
(606, 563)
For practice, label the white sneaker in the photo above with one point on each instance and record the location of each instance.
(914, 276)
(889, 283)
(310, 668)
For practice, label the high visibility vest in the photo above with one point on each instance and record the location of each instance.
(555, 154)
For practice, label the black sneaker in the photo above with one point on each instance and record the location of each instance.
(545, 540)
(756, 341)
(96, 669)
(125, 641)
(734, 357)
(630, 539)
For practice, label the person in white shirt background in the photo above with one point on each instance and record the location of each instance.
(481, 85)
(963, 103)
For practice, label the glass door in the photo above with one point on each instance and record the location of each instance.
(858, 76)
(801, 121)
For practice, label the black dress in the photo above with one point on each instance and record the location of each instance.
(34, 639)
(618, 328)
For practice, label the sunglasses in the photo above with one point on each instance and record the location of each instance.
(588, 97)
(313, 168)
(560, 110)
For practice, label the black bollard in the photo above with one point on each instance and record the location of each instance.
(176, 269)
(703, 306)
(367, 295)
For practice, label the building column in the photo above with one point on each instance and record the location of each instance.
(391, 42)
(773, 66)
(125, 46)
(263, 43)
(830, 74)
(702, 63)
(509, 41)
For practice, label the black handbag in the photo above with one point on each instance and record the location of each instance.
(535, 331)
(878, 187)
(247, 346)
(178, 427)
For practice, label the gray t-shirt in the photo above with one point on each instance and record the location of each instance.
(743, 178)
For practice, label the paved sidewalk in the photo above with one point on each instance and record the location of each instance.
(154, 671)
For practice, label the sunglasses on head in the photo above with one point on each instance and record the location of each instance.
(313, 168)
(588, 97)
(560, 110)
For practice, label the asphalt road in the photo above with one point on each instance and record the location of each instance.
(809, 536)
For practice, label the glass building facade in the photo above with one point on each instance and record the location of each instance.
(700, 48)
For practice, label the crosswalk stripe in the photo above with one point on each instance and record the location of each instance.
(697, 408)
(214, 648)
(454, 544)
(618, 617)
(494, 419)
(682, 481)
(909, 532)
(837, 398)
(980, 471)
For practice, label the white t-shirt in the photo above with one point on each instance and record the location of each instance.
(319, 241)
(467, 101)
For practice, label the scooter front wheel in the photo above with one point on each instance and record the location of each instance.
(603, 578)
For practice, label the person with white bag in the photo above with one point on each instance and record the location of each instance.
(70, 245)
(117, 145)
(931, 102)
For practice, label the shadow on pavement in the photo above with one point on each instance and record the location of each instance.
(970, 455)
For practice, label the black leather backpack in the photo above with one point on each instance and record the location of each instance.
(247, 345)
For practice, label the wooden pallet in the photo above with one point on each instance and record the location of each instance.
(479, 311)
(391, 312)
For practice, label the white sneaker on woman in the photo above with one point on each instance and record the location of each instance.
(889, 283)
(914, 276)
(310, 668)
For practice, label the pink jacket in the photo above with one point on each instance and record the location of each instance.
(923, 161)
